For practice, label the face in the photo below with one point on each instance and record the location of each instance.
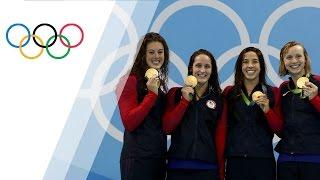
(202, 68)
(251, 66)
(295, 61)
(155, 55)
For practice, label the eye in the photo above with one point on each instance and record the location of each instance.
(289, 57)
(198, 65)
(245, 61)
(207, 66)
(256, 61)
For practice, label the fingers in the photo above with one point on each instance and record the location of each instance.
(153, 84)
(310, 90)
(263, 102)
(187, 92)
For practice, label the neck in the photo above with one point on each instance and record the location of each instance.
(201, 89)
(250, 84)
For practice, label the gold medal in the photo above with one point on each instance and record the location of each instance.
(302, 81)
(256, 95)
(151, 72)
(191, 81)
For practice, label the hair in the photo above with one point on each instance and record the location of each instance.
(214, 78)
(284, 50)
(140, 65)
(239, 77)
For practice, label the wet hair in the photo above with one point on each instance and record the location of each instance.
(213, 81)
(239, 77)
(140, 65)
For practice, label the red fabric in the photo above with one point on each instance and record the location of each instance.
(220, 140)
(316, 100)
(131, 111)
(221, 134)
(173, 112)
(274, 115)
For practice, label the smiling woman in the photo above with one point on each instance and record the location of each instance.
(192, 122)
(252, 120)
(299, 149)
(141, 104)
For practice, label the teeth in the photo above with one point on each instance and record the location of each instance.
(250, 72)
(202, 75)
(294, 66)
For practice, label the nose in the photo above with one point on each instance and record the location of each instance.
(294, 59)
(156, 55)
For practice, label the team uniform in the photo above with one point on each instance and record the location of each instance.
(192, 125)
(250, 131)
(299, 148)
(144, 145)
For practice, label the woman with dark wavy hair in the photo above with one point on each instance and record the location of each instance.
(141, 104)
(191, 117)
(252, 120)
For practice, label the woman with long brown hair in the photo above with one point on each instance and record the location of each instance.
(252, 120)
(191, 117)
(141, 104)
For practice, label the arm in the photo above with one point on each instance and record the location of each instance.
(133, 113)
(220, 140)
(315, 100)
(173, 112)
(221, 134)
(274, 115)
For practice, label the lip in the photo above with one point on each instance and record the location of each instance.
(250, 71)
(201, 75)
(295, 66)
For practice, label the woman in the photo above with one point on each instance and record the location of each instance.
(191, 118)
(251, 124)
(141, 105)
(299, 148)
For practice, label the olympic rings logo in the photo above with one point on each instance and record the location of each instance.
(39, 41)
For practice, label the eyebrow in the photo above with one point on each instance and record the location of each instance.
(252, 59)
(154, 49)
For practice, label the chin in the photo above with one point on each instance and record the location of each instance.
(203, 82)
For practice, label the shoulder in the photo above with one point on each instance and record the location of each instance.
(316, 77)
(126, 80)
(174, 90)
(272, 88)
(283, 84)
(227, 90)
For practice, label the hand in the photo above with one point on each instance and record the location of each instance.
(310, 90)
(263, 102)
(153, 84)
(186, 92)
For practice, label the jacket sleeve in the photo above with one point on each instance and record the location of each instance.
(131, 111)
(316, 100)
(174, 111)
(220, 140)
(274, 115)
(221, 134)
